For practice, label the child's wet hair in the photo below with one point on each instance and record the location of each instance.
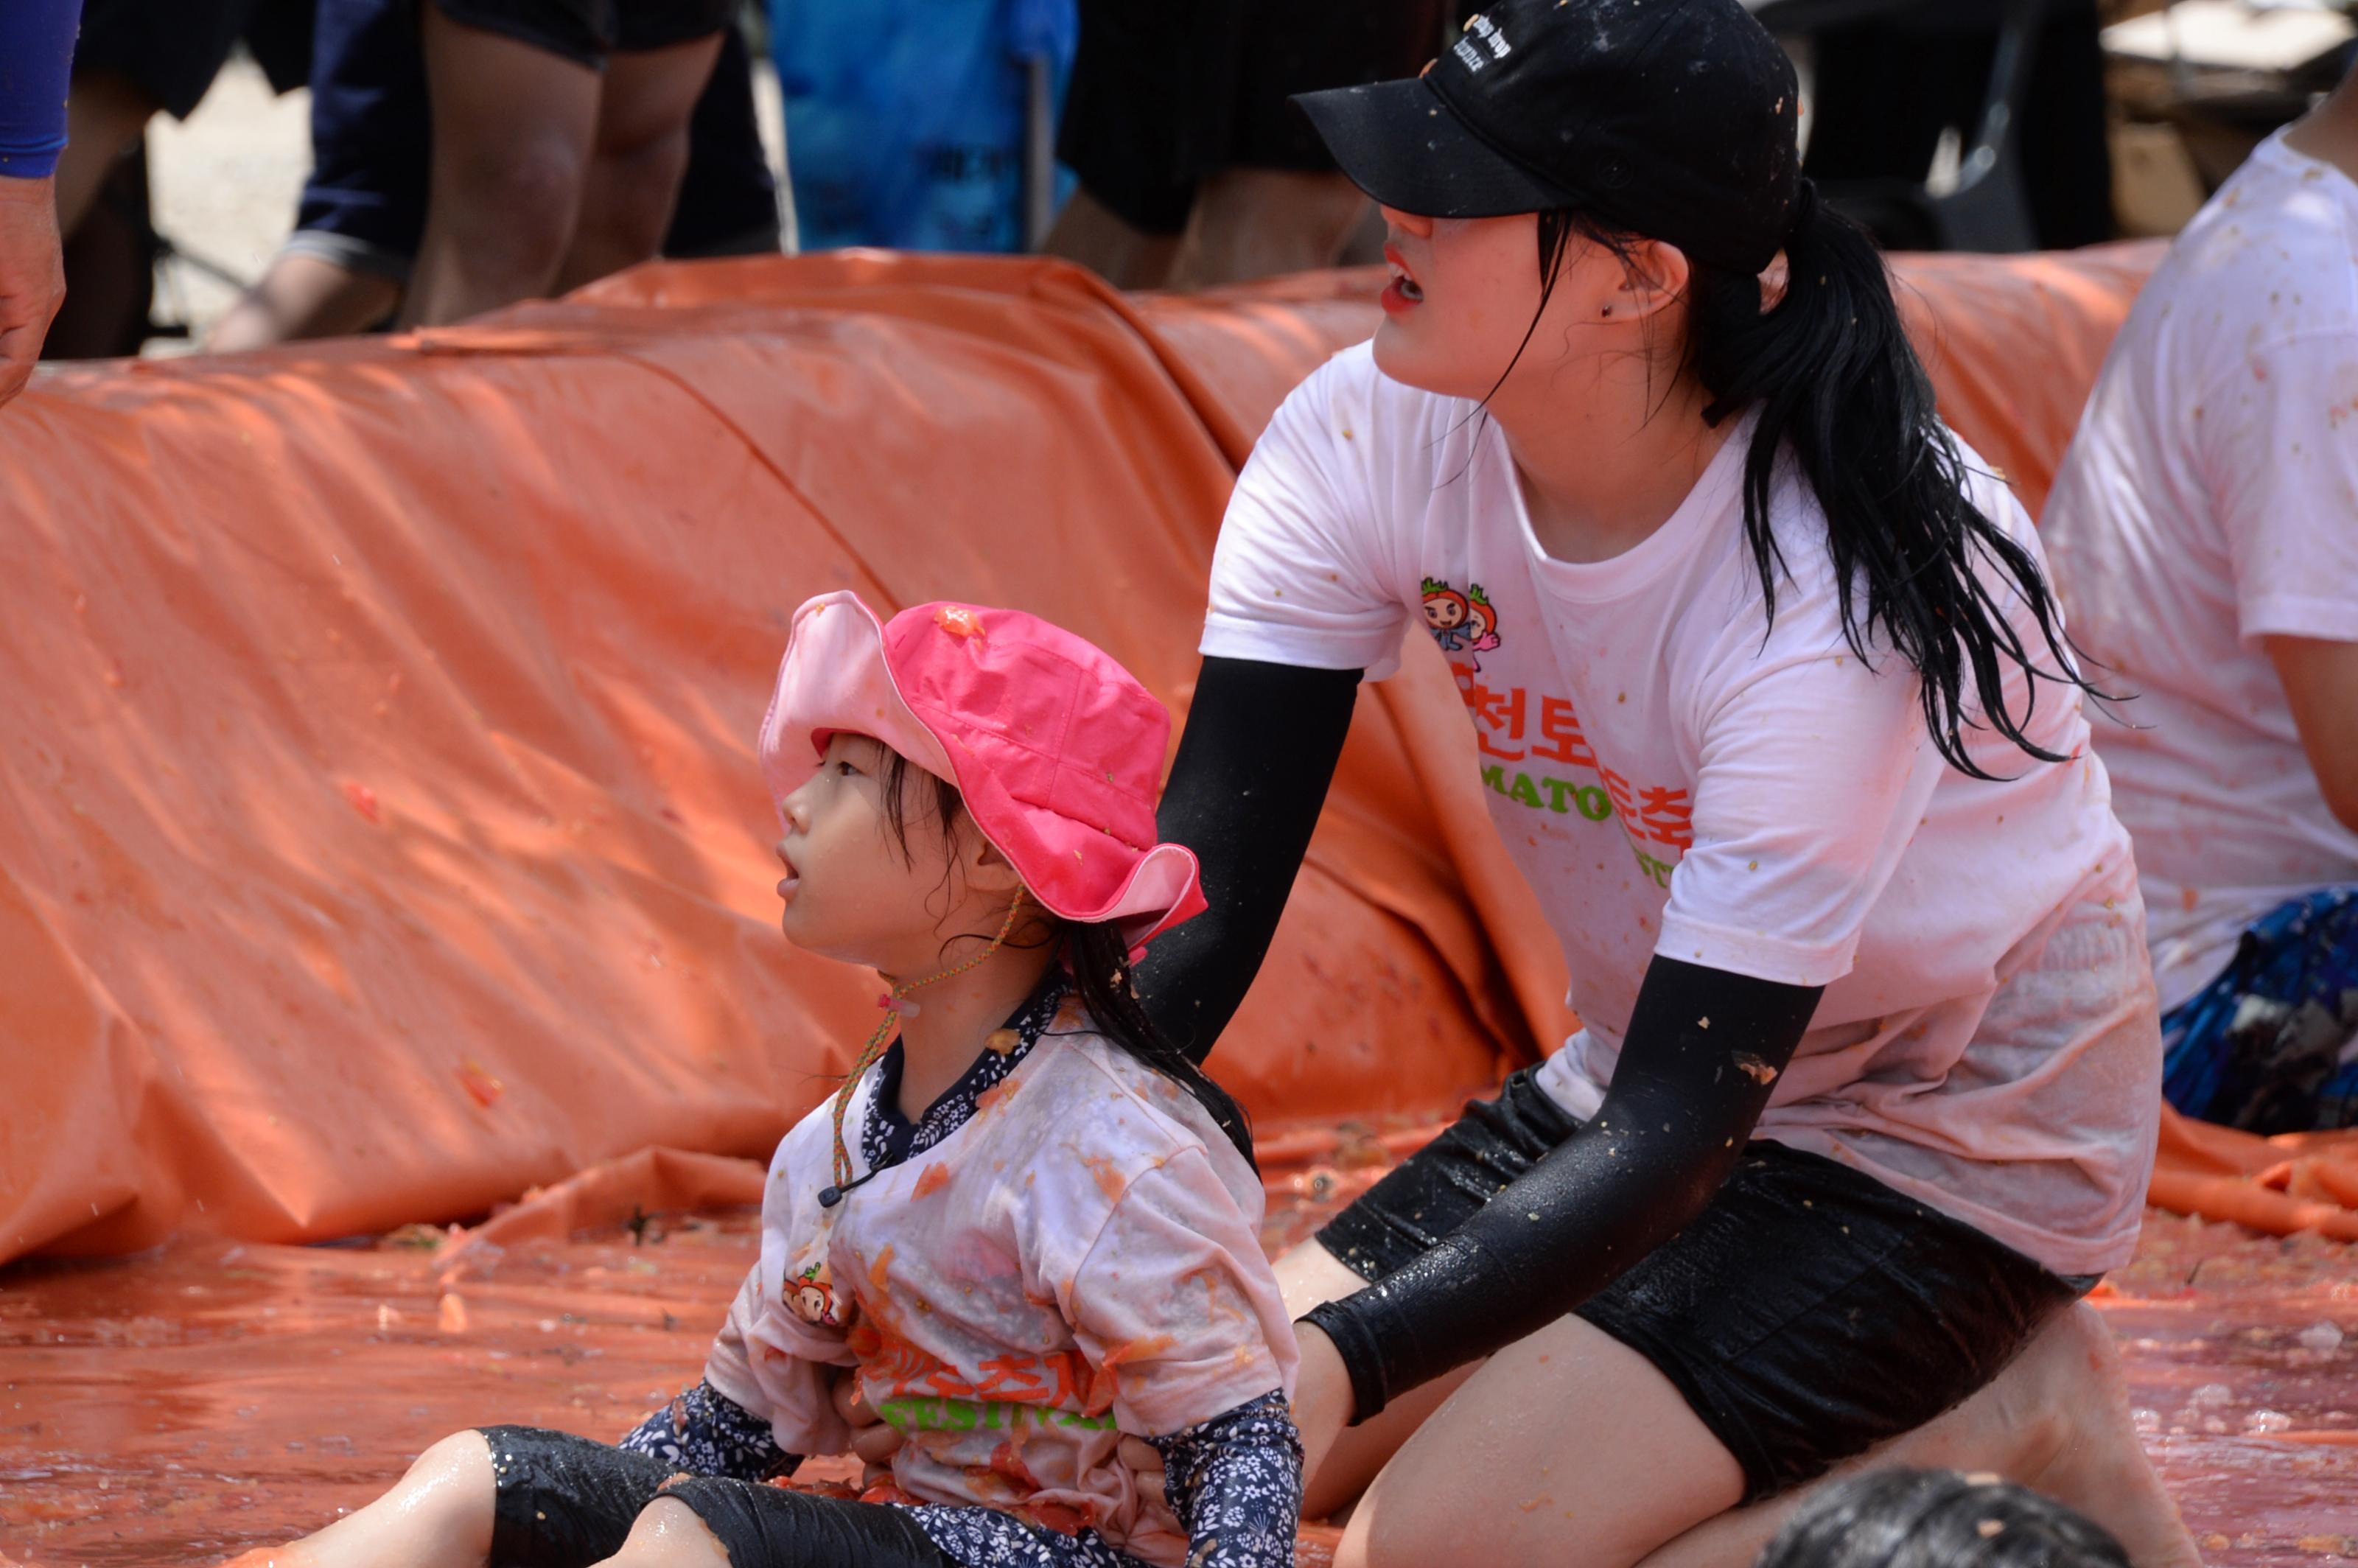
(1097, 954)
(1938, 1519)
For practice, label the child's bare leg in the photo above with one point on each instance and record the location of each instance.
(436, 1516)
(2057, 1419)
(670, 1534)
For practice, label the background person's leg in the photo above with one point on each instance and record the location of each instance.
(513, 126)
(637, 159)
(105, 114)
(1259, 223)
(1098, 238)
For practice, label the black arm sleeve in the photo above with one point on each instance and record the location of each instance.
(1702, 1050)
(1253, 766)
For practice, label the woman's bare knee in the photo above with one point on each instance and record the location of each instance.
(669, 1534)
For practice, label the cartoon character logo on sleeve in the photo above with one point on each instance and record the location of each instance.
(811, 1295)
(1446, 612)
(1461, 623)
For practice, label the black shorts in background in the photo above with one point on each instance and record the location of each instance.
(587, 32)
(1163, 95)
(1807, 1314)
(172, 49)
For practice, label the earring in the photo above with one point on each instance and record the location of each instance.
(1608, 310)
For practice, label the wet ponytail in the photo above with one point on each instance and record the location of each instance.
(1838, 385)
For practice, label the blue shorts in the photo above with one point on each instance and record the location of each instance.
(2269, 1045)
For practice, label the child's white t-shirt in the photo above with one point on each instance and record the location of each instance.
(1673, 776)
(1081, 1259)
(2209, 500)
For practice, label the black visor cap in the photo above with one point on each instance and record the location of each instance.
(1672, 119)
(1406, 148)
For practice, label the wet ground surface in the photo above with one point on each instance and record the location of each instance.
(189, 1404)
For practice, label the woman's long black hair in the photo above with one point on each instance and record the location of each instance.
(1098, 956)
(1837, 383)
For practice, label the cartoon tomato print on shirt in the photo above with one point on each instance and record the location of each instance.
(811, 1295)
(1446, 611)
(1464, 622)
(1481, 624)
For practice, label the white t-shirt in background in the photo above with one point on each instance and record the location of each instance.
(2209, 500)
(1673, 776)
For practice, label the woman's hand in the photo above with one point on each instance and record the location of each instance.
(1322, 1396)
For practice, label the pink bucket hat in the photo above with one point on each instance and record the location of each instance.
(1056, 749)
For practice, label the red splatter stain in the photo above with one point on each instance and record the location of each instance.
(481, 1086)
(933, 1180)
(363, 799)
(958, 621)
(1110, 1180)
(1145, 1347)
(1058, 1517)
(1217, 1296)
(1007, 1462)
(876, 1270)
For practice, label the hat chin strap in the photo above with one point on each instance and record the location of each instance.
(897, 1006)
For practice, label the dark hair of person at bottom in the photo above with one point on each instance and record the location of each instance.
(1938, 1519)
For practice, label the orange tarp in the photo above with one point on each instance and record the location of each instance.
(381, 836)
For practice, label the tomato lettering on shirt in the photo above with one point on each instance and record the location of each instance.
(1651, 814)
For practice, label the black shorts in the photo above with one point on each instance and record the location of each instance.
(172, 49)
(587, 32)
(1808, 1314)
(1163, 95)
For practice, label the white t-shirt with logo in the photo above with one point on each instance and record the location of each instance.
(1674, 777)
(2210, 500)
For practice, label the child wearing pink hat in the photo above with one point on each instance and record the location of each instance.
(1022, 1230)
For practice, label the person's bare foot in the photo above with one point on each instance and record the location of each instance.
(2094, 1460)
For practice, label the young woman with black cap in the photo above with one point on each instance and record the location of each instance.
(1779, 718)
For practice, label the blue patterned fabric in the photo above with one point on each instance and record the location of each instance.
(706, 1433)
(2265, 1047)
